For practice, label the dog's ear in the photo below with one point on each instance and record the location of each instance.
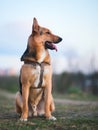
(35, 26)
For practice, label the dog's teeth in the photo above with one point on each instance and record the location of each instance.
(52, 118)
(21, 119)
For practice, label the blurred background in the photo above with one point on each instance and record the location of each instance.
(75, 65)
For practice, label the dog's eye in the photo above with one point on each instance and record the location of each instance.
(48, 32)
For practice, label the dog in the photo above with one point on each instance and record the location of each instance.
(35, 95)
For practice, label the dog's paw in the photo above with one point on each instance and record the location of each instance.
(41, 115)
(23, 119)
(52, 118)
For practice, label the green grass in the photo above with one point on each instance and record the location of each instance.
(69, 117)
(73, 96)
(9, 83)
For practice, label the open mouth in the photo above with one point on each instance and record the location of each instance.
(50, 45)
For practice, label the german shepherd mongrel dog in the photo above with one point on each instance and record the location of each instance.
(35, 97)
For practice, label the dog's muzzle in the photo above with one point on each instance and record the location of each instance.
(52, 46)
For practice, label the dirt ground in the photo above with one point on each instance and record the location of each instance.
(57, 100)
(70, 114)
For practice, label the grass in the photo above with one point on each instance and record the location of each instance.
(9, 83)
(69, 117)
(75, 96)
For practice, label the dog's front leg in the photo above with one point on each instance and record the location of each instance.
(25, 95)
(48, 101)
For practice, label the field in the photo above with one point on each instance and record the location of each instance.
(70, 114)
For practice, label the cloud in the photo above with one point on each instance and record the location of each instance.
(10, 62)
(13, 37)
(72, 62)
(61, 63)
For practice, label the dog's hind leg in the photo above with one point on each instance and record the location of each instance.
(52, 105)
(19, 103)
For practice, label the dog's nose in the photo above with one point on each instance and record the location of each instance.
(60, 39)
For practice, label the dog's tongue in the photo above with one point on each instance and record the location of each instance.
(55, 47)
(50, 46)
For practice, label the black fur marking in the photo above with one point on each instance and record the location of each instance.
(41, 33)
(28, 54)
(25, 54)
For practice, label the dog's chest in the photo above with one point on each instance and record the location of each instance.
(42, 56)
(37, 74)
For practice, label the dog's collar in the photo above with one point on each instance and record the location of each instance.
(36, 63)
(42, 64)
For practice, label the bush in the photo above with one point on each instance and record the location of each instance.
(9, 83)
(74, 90)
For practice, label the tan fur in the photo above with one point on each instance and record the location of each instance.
(36, 101)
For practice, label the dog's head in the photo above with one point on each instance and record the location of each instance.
(43, 36)
(40, 37)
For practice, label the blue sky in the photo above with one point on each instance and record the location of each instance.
(76, 21)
